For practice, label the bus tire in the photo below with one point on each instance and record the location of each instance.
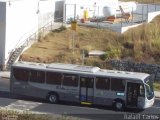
(118, 105)
(53, 97)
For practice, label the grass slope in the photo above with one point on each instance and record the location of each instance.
(140, 44)
(6, 114)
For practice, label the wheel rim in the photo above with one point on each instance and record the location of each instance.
(52, 98)
(119, 105)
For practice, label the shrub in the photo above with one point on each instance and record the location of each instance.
(85, 52)
(128, 45)
(104, 56)
(62, 28)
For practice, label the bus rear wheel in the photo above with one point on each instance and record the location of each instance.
(53, 98)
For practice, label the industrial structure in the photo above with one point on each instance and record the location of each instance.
(75, 9)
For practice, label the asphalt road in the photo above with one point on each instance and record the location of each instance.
(71, 109)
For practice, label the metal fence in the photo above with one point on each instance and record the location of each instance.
(97, 19)
(39, 34)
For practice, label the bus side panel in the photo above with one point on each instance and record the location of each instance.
(23, 88)
(69, 96)
(103, 97)
(41, 91)
(103, 101)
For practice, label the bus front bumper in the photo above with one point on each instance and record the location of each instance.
(149, 103)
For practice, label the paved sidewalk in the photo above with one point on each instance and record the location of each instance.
(6, 74)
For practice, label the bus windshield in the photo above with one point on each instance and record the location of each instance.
(149, 88)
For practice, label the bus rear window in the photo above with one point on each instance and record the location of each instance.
(21, 74)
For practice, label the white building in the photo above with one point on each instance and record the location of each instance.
(18, 20)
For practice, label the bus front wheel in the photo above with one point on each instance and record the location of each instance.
(53, 98)
(118, 105)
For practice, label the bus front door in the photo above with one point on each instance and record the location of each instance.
(132, 94)
(86, 90)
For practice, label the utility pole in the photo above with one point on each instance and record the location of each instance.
(83, 57)
(73, 27)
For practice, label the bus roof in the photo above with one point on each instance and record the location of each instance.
(73, 68)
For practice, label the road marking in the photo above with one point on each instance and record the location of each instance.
(23, 105)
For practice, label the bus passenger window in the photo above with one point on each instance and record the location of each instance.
(102, 83)
(70, 80)
(117, 84)
(41, 76)
(87, 82)
(21, 74)
(37, 76)
(53, 78)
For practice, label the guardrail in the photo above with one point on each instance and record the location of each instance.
(40, 31)
(39, 34)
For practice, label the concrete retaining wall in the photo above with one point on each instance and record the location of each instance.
(137, 67)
